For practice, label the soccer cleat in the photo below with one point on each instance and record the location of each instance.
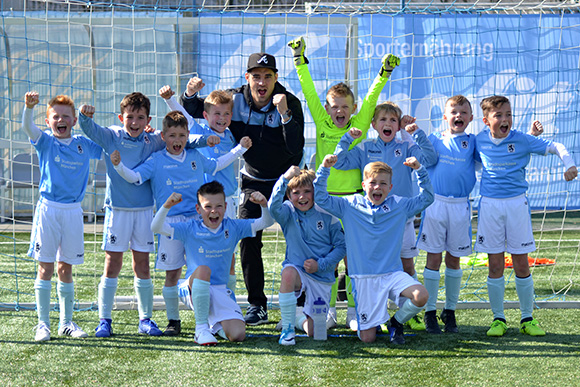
(448, 318)
(104, 329)
(431, 324)
(42, 332)
(351, 321)
(149, 327)
(71, 329)
(497, 329)
(204, 337)
(331, 318)
(173, 328)
(416, 323)
(287, 336)
(256, 315)
(532, 328)
(396, 334)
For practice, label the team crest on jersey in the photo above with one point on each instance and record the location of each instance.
(270, 119)
(37, 247)
(112, 239)
(163, 257)
(511, 148)
(80, 149)
(385, 207)
(363, 317)
(398, 152)
(226, 234)
(319, 225)
(322, 135)
(464, 144)
(57, 159)
(147, 141)
(200, 250)
(194, 165)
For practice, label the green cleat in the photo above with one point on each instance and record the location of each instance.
(532, 328)
(497, 329)
(416, 323)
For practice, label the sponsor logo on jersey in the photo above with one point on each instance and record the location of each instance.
(168, 182)
(57, 159)
(200, 250)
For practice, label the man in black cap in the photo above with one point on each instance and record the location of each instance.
(272, 117)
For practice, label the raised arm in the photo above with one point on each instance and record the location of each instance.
(128, 174)
(560, 150)
(32, 131)
(265, 220)
(225, 160)
(276, 203)
(290, 110)
(190, 99)
(349, 159)
(332, 204)
(159, 225)
(418, 203)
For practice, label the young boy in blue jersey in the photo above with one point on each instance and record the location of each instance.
(57, 231)
(314, 246)
(504, 222)
(180, 170)
(209, 245)
(387, 121)
(374, 228)
(128, 208)
(446, 224)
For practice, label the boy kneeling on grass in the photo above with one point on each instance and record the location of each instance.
(209, 245)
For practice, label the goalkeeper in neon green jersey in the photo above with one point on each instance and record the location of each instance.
(333, 120)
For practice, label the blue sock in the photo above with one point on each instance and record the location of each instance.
(66, 298)
(107, 291)
(407, 311)
(525, 290)
(171, 297)
(431, 279)
(287, 303)
(200, 299)
(144, 291)
(452, 286)
(496, 290)
(42, 291)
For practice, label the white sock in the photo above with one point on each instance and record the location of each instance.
(171, 297)
(144, 291)
(107, 291)
(66, 298)
(525, 290)
(495, 291)
(431, 279)
(42, 292)
(452, 287)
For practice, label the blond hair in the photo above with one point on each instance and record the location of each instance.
(388, 107)
(377, 167)
(340, 90)
(218, 97)
(458, 100)
(304, 179)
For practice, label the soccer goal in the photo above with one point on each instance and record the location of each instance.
(97, 52)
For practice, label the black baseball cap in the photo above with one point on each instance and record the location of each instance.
(263, 60)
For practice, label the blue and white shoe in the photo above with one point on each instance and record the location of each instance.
(42, 332)
(104, 329)
(287, 336)
(149, 327)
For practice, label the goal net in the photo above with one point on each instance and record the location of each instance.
(99, 51)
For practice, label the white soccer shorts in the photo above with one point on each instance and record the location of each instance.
(124, 229)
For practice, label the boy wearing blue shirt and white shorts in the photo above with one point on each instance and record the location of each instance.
(388, 119)
(504, 222)
(176, 169)
(314, 246)
(57, 231)
(128, 208)
(374, 228)
(209, 243)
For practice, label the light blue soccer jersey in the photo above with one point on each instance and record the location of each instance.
(227, 176)
(314, 234)
(454, 173)
(64, 169)
(374, 234)
(203, 247)
(168, 175)
(134, 151)
(504, 165)
(394, 153)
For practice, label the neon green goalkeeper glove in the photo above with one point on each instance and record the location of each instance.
(298, 47)
(390, 61)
